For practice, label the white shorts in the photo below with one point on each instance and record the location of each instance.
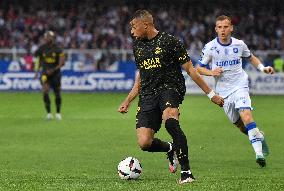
(240, 99)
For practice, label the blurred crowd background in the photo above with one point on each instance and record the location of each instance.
(104, 24)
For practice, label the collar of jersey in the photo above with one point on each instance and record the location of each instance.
(158, 34)
(224, 44)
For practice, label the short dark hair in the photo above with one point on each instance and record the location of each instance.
(143, 14)
(223, 17)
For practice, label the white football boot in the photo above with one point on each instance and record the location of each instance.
(49, 116)
(58, 116)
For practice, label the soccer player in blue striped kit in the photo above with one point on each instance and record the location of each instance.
(224, 54)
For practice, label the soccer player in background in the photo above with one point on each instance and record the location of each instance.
(50, 58)
(225, 54)
(161, 87)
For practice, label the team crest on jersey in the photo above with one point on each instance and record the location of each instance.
(235, 50)
(158, 50)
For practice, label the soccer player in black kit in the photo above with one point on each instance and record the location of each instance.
(161, 88)
(50, 59)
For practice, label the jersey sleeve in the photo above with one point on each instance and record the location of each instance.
(180, 52)
(205, 57)
(246, 52)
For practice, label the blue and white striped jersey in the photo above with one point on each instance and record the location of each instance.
(229, 58)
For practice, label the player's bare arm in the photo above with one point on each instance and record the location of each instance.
(204, 71)
(192, 72)
(61, 62)
(37, 66)
(123, 108)
(257, 63)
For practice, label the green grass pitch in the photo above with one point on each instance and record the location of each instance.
(82, 151)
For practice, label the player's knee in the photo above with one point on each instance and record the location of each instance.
(144, 143)
(247, 117)
(45, 91)
(45, 87)
(57, 95)
(170, 113)
(57, 91)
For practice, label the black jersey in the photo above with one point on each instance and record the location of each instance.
(49, 57)
(159, 61)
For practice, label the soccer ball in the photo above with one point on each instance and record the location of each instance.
(129, 168)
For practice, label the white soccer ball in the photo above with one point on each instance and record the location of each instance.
(129, 168)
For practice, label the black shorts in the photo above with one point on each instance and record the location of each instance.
(53, 80)
(150, 110)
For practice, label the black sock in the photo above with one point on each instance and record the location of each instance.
(58, 101)
(159, 146)
(46, 102)
(179, 142)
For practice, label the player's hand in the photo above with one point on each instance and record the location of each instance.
(123, 108)
(217, 71)
(268, 70)
(218, 100)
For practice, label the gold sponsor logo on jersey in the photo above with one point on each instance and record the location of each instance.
(49, 60)
(150, 63)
